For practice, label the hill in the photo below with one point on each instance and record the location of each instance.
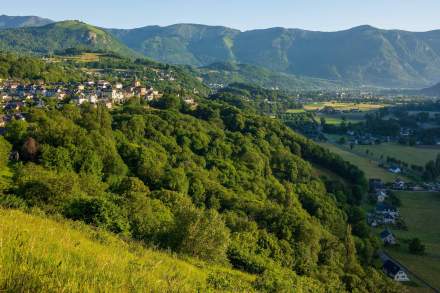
(212, 182)
(432, 91)
(41, 255)
(364, 55)
(60, 36)
(225, 73)
(22, 21)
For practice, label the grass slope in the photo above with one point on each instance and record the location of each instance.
(420, 210)
(411, 155)
(41, 255)
(370, 167)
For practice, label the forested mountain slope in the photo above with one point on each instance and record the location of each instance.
(215, 181)
(365, 55)
(60, 36)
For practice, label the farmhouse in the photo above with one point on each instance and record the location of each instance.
(394, 271)
(387, 209)
(381, 196)
(395, 170)
(399, 184)
(388, 237)
(375, 184)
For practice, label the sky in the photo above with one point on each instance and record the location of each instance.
(323, 15)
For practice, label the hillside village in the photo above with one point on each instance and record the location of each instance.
(15, 95)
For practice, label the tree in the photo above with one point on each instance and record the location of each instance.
(415, 246)
(30, 149)
(5, 151)
(207, 237)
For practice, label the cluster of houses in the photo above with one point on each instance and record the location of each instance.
(384, 213)
(15, 95)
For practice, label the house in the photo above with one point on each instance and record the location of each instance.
(399, 184)
(375, 185)
(381, 196)
(388, 237)
(386, 209)
(395, 170)
(389, 219)
(394, 271)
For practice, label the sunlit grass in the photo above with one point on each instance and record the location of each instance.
(41, 255)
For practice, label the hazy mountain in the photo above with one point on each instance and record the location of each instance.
(364, 54)
(432, 91)
(182, 43)
(22, 21)
(59, 36)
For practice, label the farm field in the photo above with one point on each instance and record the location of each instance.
(370, 167)
(343, 106)
(411, 155)
(338, 118)
(420, 210)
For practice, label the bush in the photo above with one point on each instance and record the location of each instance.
(415, 246)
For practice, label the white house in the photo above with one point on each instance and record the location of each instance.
(395, 272)
(388, 237)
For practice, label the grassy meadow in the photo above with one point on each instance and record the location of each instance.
(411, 155)
(420, 210)
(40, 255)
(370, 167)
(343, 106)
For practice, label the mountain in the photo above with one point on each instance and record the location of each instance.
(224, 73)
(22, 21)
(432, 91)
(60, 36)
(365, 55)
(182, 43)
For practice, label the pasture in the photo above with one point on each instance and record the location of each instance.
(408, 154)
(343, 106)
(370, 167)
(420, 210)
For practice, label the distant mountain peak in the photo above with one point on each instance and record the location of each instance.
(7, 21)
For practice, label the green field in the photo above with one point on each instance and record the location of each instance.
(411, 155)
(41, 255)
(337, 118)
(421, 212)
(343, 106)
(370, 167)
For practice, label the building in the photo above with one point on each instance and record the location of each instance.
(375, 185)
(394, 271)
(387, 209)
(381, 196)
(399, 184)
(395, 170)
(388, 237)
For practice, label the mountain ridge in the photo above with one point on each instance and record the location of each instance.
(59, 36)
(363, 54)
(7, 21)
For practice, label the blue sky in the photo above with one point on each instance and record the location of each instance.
(326, 15)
